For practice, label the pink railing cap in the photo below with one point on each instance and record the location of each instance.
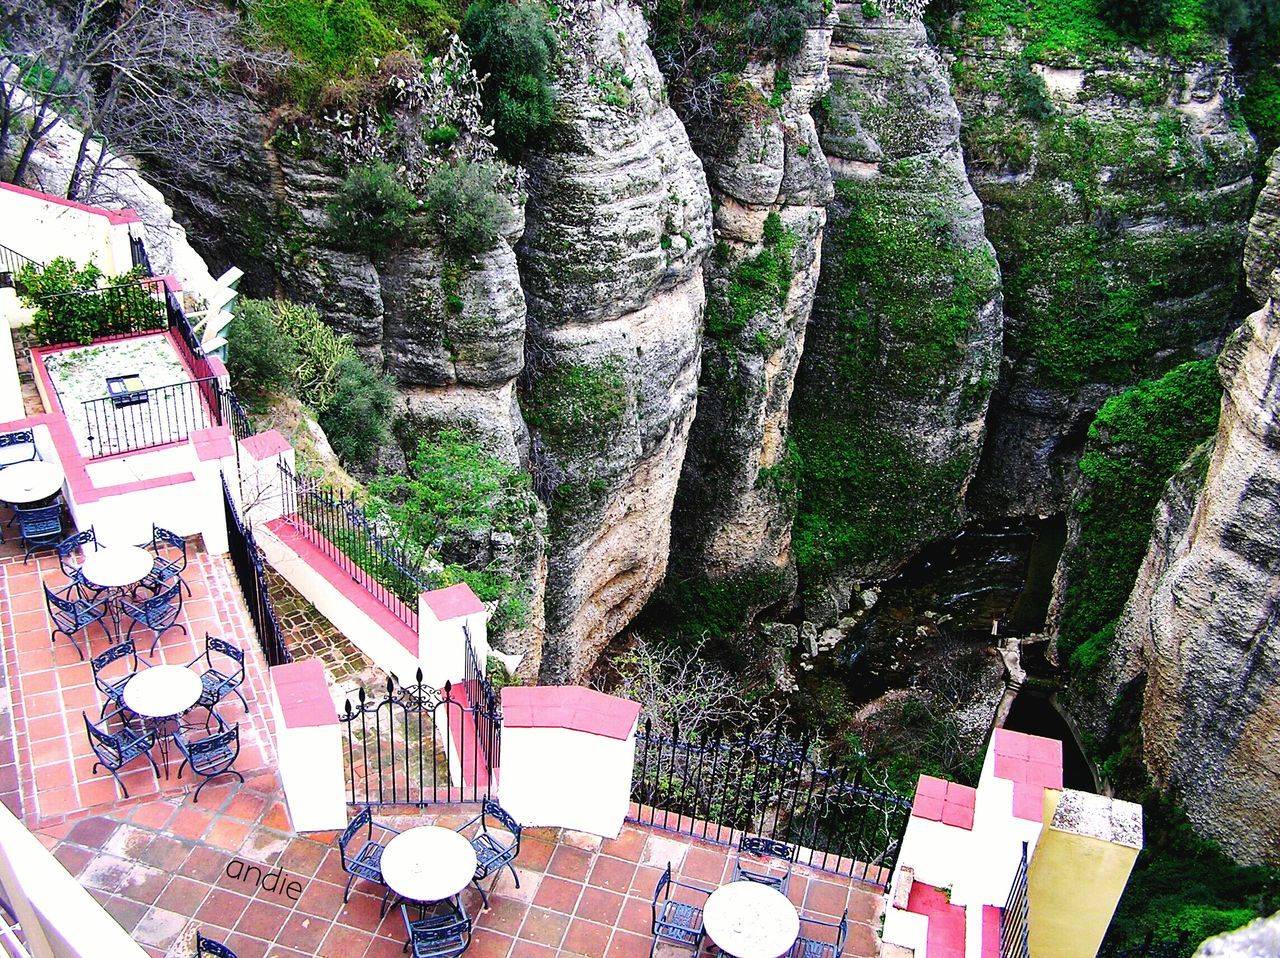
(212, 443)
(452, 602)
(569, 707)
(264, 445)
(114, 217)
(303, 690)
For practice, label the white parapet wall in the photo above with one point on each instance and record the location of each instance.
(567, 757)
(59, 918)
(308, 746)
(43, 227)
(445, 618)
(11, 406)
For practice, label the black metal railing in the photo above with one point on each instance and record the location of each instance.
(483, 699)
(1016, 915)
(415, 745)
(337, 525)
(138, 254)
(141, 418)
(720, 787)
(86, 315)
(11, 263)
(246, 559)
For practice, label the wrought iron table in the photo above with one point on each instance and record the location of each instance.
(749, 920)
(160, 694)
(27, 482)
(428, 863)
(116, 568)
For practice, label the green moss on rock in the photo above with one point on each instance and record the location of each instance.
(578, 407)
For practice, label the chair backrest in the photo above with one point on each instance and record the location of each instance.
(503, 817)
(363, 819)
(660, 892)
(222, 647)
(208, 948)
(113, 655)
(61, 609)
(103, 743)
(766, 848)
(159, 607)
(70, 544)
(213, 744)
(163, 537)
(41, 521)
(11, 440)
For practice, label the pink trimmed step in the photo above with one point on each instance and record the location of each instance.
(475, 770)
(338, 577)
(991, 915)
(946, 921)
(302, 689)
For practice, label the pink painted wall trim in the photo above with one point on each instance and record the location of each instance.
(452, 602)
(941, 801)
(284, 530)
(213, 443)
(569, 707)
(302, 689)
(264, 445)
(115, 217)
(946, 921)
(1033, 763)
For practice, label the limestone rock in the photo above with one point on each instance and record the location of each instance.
(1258, 939)
(1199, 627)
(614, 318)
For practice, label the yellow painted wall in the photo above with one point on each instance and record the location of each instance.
(1074, 882)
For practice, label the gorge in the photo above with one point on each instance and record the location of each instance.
(843, 341)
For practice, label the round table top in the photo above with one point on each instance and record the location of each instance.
(29, 481)
(751, 920)
(162, 691)
(428, 863)
(117, 566)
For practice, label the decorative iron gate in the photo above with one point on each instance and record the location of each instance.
(416, 745)
(717, 788)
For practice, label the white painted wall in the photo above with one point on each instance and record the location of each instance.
(369, 637)
(10, 386)
(311, 772)
(555, 777)
(144, 464)
(442, 646)
(42, 230)
(59, 918)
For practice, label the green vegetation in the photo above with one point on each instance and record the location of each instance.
(373, 210)
(84, 308)
(457, 494)
(277, 346)
(514, 44)
(1137, 18)
(339, 40)
(756, 285)
(578, 407)
(1137, 441)
(698, 608)
(464, 206)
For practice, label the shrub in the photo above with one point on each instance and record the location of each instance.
(317, 352)
(780, 25)
(129, 308)
(464, 206)
(1237, 16)
(1138, 18)
(373, 211)
(514, 44)
(357, 420)
(1030, 92)
(260, 357)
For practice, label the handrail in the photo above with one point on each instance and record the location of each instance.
(1015, 918)
(11, 261)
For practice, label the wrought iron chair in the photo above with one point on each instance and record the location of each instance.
(762, 853)
(440, 936)
(806, 947)
(208, 948)
(217, 684)
(674, 920)
(67, 548)
(113, 687)
(40, 527)
(366, 862)
(210, 756)
(158, 613)
(72, 614)
(166, 570)
(492, 854)
(10, 448)
(116, 750)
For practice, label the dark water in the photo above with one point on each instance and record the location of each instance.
(1033, 713)
(953, 592)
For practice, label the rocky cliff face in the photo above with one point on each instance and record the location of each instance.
(1116, 193)
(903, 346)
(1199, 628)
(731, 528)
(619, 222)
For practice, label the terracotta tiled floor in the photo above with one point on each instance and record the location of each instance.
(50, 686)
(164, 868)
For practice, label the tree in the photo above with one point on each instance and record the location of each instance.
(1138, 18)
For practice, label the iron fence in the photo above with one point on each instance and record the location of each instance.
(1016, 915)
(483, 698)
(140, 418)
(336, 524)
(415, 745)
(247, 562)
(720, 787)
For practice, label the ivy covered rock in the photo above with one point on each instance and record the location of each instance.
(903, 348)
